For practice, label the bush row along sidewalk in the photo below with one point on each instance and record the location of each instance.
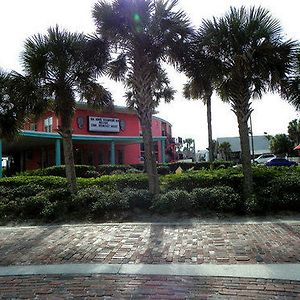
(46, 197)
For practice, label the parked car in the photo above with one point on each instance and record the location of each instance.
(280, 162)
(262, 159)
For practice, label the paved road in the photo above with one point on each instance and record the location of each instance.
(190, 244)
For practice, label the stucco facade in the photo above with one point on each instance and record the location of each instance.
(98, 138)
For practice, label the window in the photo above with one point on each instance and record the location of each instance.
(48, 124)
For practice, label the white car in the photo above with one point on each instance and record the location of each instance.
(262, 159)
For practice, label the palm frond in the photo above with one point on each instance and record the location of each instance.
(117, 68)
(97, 96)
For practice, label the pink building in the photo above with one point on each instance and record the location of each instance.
(98, 138)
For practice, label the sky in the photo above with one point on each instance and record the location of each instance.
(20, 19)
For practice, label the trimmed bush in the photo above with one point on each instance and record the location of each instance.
(113, 169)
(203, 165)
(27, 190)
(201, 179)
(138, 198)
(118, 182)
(32, 207)
(44, 181)
(133, 171)
(281, 193)
(85, 198)
(163, 170)
(173, 201)
(81, 171)
(109, 202)
(219, 198)
(113, 182)
(92, 174)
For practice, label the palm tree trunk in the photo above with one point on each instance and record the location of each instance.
(66, 133)
(142, 89)
(150, 159)
(209, 127)
(69, 162)
(246, 156)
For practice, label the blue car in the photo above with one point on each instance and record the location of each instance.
(280, 162)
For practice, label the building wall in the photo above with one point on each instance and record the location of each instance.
(98, 153)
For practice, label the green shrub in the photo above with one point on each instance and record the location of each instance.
(203, 165)
(81, 171)
(116, 182)
(112, 169)
(133, 171)
(85, 198)
(201, 179)
(60, 194)
(32, 207)
(173, 201)
(281, 193)
(92, 174)
(26, 190)
(113, 182)
(117, 172)
(138, 198)
(44, 181)
(218, 198)
(163, 170)
(109, 202)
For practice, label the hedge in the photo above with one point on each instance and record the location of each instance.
(92, 171)
(112, 182)
(218, 199)
(46, 197)
(200, 179)
(81, 171)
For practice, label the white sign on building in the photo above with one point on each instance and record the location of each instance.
(99, 124)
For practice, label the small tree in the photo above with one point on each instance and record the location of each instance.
(225, 150)
(294, 131)
(281, 145)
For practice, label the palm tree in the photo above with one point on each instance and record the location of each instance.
(294, 131)
(17, 101)
(145, 33)
(253, 58)
(291, 89)
(225, 150)
(64, 65)
(202, 72)
(10, 117)
(281, 145)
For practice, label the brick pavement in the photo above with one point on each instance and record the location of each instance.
(144, 287)
(151, 244)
